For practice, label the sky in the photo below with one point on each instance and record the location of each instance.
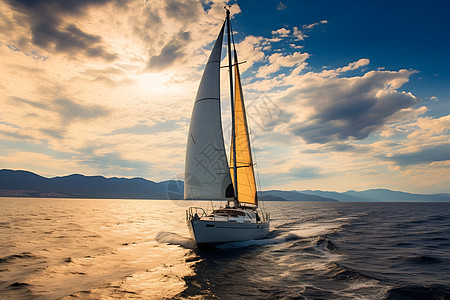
(340, 95)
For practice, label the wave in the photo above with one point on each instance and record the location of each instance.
(322, 241)
(19, 285)
(4, 225)
(439, 218)
(341, 272)
(172, 238)
(433, 291)
(313, 229)
(423, 260)
(23, 255)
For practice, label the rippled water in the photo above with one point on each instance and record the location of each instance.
(119, 249)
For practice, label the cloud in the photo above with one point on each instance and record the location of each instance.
(112, 162)
(50, 29)
(299, 34)
(70, 110)
(176, 30)
(338, 147)
(305, 172)
(282, 32)
(13, 133)
(281, 6)
(354, 65)
(170, 53)
(55, 133)
(278, 61)
(311, 26)
(250, 51)
(113, 76)
(424, 155)
(334, 109)
(181, 10)
(29, 102)
(99, 51)
(142, 129)
(431, 127)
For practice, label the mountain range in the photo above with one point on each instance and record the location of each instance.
(17, 183)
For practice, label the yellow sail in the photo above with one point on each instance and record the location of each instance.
(245, 175)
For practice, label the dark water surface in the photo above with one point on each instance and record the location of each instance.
(120, 249)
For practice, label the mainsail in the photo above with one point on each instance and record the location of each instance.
(244, 162)
(207, 175)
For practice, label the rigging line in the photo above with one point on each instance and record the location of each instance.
(224, 81)
(234, 45)
(255, 167)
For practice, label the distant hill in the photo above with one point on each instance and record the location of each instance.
(380, 195)
(294, 196)
(28, 184)
(338, 196)
(388, 195)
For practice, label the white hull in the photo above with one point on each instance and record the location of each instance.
(210, 232)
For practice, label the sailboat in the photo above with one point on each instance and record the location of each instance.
(208, 176)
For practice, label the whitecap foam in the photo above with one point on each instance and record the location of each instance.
(172, 238)
(313, 229)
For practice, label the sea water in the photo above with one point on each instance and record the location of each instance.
(120, 249)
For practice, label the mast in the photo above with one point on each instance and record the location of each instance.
(233, 129)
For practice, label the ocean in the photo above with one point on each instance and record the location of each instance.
(140, 249)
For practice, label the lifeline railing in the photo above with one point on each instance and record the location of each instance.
(265, 217)
(195, 213)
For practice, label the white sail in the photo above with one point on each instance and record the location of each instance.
(207, 175)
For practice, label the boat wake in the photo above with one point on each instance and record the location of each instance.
(266, 241)
(282, 234)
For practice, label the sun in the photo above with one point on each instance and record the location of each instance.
(153, 83)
